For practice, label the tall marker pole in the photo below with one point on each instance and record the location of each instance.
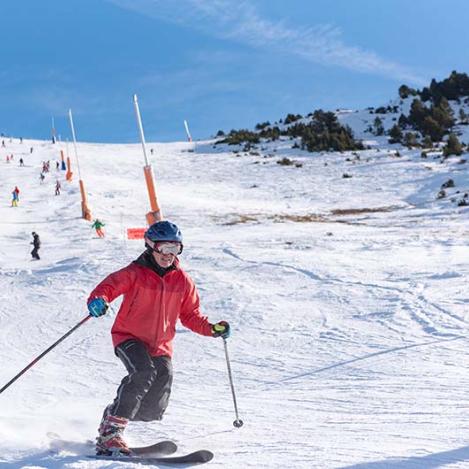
(155, 214)
(189, 136)
(85, 211)
(54, 139)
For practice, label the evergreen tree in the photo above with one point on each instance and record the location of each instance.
(378, 126)
(432, 129)
(410, 140)
(435, 91)
(405, 92)
(403, 121)
(427, 142)
(262, 125)
(292, 118)
(395, 134)
(453, 146)
(463, 117)
(425, 94)
(443, 114)
(418, 112)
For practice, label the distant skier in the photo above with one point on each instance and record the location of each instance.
(21, 162)
(41, 178)
(98, 226)
(58, 186)
(157, 292)
(15, 197)
(36, 245)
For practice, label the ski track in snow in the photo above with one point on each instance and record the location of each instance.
(349, 334)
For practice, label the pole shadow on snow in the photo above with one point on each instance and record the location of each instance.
(370, 355)
(429, 461)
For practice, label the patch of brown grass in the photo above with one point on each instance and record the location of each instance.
(359, 211)
(239, 218)
(311, 218)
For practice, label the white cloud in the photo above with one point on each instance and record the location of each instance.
(239, 21)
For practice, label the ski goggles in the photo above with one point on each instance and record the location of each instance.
(168, 248)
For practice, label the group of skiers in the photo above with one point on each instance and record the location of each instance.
(156, 292)
(97, 225)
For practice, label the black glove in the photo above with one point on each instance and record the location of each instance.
(221, 329)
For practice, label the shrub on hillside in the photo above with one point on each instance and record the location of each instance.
(292, 118)
(378, 127)
(237, 137)
(453, 87)
(285, 162)
(395, 134)
(325, 133)
(410, 140)
(453, 146)
(270, 133)
(262, 126)
(405, 92)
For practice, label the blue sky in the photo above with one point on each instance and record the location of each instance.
(220, 64)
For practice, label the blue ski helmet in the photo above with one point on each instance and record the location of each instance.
(164, 231)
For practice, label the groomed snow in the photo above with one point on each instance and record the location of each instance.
(347, 296)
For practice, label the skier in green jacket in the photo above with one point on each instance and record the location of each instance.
(98, 226)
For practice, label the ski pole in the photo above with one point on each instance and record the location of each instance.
(238, 422)
(24, 370)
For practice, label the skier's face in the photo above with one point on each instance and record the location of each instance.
(163, 260)
(165, 252)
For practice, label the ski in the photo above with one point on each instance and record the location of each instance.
(162, 448)
(197, 457)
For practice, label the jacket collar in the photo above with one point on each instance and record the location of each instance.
(147, 260)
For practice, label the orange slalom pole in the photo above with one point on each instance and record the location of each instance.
(155, 214)
(69, 174)
(85, 211)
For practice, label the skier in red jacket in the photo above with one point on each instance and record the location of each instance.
(157, 292)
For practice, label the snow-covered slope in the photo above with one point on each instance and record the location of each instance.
(347, 296)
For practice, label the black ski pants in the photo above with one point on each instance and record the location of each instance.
(35, 253)
(144, 393)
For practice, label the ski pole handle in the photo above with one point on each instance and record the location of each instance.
(238, 422)
(24, 370)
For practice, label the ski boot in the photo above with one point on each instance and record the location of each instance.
(110, 441)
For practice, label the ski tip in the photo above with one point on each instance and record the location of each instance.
(204, 455)
(163, 447)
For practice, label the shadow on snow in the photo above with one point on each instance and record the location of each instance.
(429, 461)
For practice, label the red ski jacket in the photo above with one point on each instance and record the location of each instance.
(152, 305)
